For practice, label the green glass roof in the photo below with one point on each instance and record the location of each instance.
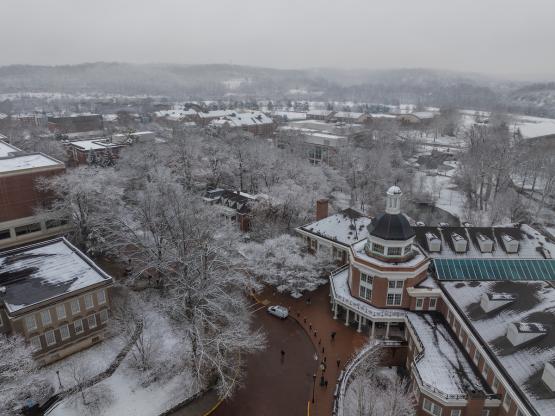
(494, 269)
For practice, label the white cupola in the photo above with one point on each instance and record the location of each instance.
(393, 200)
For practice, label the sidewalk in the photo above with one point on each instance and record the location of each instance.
(319, 319)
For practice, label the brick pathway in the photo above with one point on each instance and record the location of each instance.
(319, 319)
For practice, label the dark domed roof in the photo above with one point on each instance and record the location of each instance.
(391, 227)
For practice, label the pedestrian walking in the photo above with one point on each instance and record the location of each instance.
(333, 335)
(326, 384)
(282, 354)
(310, 326)
(325, 359)
(308, 301)
(338, 363)
(322, 350)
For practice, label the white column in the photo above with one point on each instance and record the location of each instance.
(346, 317)
(335, 307)
(359, 329)
(387, 331)
(373, 330)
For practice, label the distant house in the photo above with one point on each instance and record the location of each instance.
(318, 147)
(19, 195)
(234, 206)
(175, 117)
(55, 297)
(75, 123)
(319, 115)
(418, 117)
(254, 122)
(206, 117)
(350, 117)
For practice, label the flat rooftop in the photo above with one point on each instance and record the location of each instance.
(26, 162)
(533, 303)
(6, 148)
(43, 271)
(443, 365)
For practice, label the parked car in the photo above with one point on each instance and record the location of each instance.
(279, 311)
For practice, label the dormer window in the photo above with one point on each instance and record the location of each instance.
(408, 249)
(394, 251)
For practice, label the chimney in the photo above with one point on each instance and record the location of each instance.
(321, 209)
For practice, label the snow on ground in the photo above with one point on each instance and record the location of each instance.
(443, 190)
(130, 390)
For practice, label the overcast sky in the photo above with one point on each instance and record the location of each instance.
(506, 37)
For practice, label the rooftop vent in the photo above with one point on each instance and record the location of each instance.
(459, 242)
(485, 243)
(2, 290)
(444, 224)
(520, 332)
(492, 301)
(548, 376)
(434, 243)
(511, 245)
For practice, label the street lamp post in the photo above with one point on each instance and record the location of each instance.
(59, 380)
(313, 385)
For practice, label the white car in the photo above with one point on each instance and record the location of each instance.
(279, 311)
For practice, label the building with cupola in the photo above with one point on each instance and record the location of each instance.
(468, 311)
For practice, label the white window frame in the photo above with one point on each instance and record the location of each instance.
(485, 412)
(381, 248)
(476, 356)
(88, 300)
(1, 321)
(485, 370)
(47, 335)
(365, 292)
(395, 296)
(36, 345)
(507, 401)
(419, 304)
(66, 328)
(434, 306)
(399, 249)
(93, 316)
(80, 324)
(75, 311)
(43, 314)
(101, 297)
(433, 408)
(456, 412)
(61, 307)
(31, 318)
(495, 384)
(103, 316)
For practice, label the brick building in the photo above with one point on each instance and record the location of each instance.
(75, 123)
(473, 308)
(254, 122)
(234, 206)
(55, 297)
(19, 196)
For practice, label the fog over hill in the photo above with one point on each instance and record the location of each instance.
(217, 81)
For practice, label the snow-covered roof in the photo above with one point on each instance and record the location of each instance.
(216, 113)
(176, 114)
(348, 114)
(423, 114)
(346, 227)
(289, 115)
(251, 118)
(534, 302)
(44, 271)
(360, 253)
(531, 243)
(96, 144)
(319, 113)
(6, 148)
(442, 366)
(27, 161)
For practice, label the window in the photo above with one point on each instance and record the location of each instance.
(103, 315)
(365, 292)
(433, 303)
(91, 320)
(394, 251)
(35, 343)
(55, 223)
(394, 299)
(64, 332)
(431, 407)
(50, 338)
(45, 317)
(366, 279)
(78, 326)
(449, 315)
(88, 301)
(1, 323)
(31, 323)
(408, 249)
(495, 384)
(75, 308)
(485, 412)
(5, 234)
(419, 303)
(476, 357)
(456, 412)
(378, 248)
(61, 311)
(27, 229)
(507, 401)
(485, 370)
(395, 284)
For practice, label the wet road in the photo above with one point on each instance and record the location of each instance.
(273, 387)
